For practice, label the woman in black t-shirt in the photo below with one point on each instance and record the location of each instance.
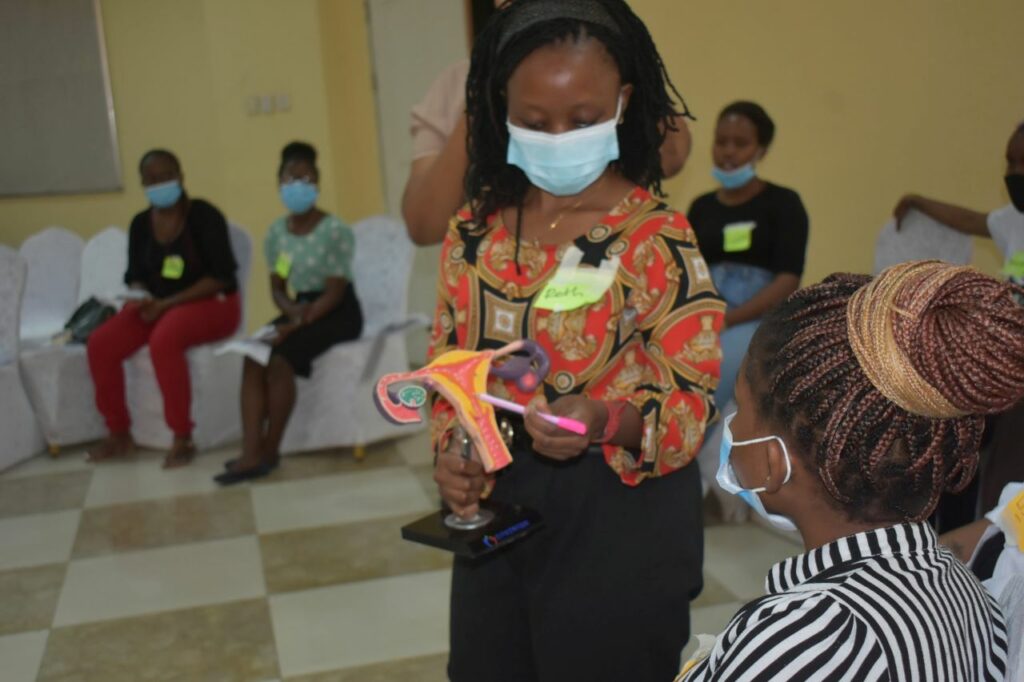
(753, 233)
(180, 260)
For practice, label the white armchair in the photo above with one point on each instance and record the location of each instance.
(335, 407)
(104, 262)
(215, 381)
(21, 435)
(57, 377)
(920, 237)
(54, 258)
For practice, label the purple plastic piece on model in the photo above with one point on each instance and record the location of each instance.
(526, 370)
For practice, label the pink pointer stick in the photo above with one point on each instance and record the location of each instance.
(566, 423)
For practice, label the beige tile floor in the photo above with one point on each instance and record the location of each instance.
(129, 572)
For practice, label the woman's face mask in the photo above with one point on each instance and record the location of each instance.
(726, 476)
(298, 196)
(163, 194)
(736, 178)
(567, 163)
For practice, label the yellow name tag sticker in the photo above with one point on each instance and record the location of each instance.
(1013, 514)
(283, 265)
(1014, 266)
(174, 267)
(573, 286)
(738, 237)
(570, 293)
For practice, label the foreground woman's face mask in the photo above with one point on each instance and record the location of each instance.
(567, 163)
(726, 477)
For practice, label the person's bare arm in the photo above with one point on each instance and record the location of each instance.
(433, 192)
(334, 292)
(961, 219)
(963, 541)
(784, 284)
(675, 149)
(284, 303)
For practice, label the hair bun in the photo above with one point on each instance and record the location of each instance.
(940, 341)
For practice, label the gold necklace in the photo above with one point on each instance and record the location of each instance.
(561, 213)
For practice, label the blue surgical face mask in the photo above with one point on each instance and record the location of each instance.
(735, 178)
(567, 163)
(164, 194)
(726, 477)
(299, 196)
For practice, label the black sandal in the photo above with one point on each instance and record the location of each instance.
(229, 464)
(232, 477)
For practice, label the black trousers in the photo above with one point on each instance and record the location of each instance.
(601, 593)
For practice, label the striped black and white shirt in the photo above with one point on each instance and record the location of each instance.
(887, 604)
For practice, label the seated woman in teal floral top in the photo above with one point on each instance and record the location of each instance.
(309, 253)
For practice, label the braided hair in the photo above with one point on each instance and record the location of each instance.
(511, 35)
(880, 462)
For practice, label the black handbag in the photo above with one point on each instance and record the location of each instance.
(87, 317)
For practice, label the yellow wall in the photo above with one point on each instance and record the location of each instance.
(870, 100)
(351, 108)
(181, 74)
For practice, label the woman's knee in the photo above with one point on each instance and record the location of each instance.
(253, 374)
(165, 340)
(251, 367)
(279, 369)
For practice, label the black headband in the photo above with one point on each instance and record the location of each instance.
(550, 10)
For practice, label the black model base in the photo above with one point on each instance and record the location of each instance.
(511, 522)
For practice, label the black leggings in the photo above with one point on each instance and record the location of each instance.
(602, 592)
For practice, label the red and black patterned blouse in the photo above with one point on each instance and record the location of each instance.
(652, 339)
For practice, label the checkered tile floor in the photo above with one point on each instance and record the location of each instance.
(124, 571)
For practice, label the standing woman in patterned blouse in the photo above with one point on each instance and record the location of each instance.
(309, 254)
(566, 102)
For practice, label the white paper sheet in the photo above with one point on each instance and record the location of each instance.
(131, 295)
(256, 346)
(920, 238)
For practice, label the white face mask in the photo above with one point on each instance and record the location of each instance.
(726, 477)
(567, 163)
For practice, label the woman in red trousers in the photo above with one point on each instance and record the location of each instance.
(179, 253)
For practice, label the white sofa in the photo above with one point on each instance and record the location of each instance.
(54, 259)
(57, 377)
(21, 435)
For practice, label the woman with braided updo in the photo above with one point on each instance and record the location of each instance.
(859, 402)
